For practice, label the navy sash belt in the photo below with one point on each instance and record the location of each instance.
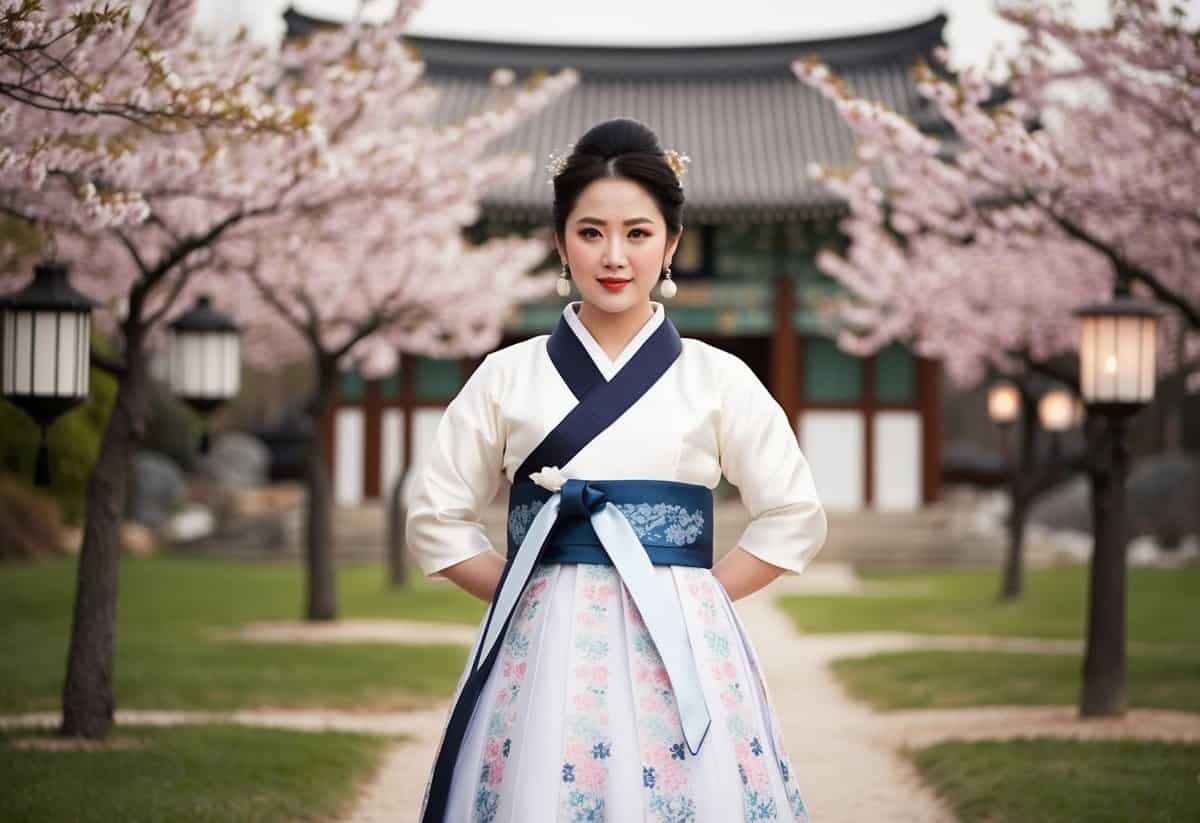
(673, 521)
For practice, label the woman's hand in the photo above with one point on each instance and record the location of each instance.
(741, 573)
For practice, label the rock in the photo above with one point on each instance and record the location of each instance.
(193, 522)
(158, 486)
(137, 540)
(70, 539)
(1164, 497)
(1146, 551)
(1163, 500)
(30, 523)
(235, 459)
(1066, 508)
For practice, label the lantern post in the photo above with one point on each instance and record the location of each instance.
(1117, 371)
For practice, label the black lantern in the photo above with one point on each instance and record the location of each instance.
(204, 363)
(45, 350)
(1117, 350)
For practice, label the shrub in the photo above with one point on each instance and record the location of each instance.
(29, 521)
(73, 441)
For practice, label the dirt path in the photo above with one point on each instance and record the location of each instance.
(845, 770)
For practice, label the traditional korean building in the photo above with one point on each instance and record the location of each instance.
(747, 279)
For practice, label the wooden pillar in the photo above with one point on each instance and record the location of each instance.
(372, 407)
(408, 391)
(868, 402)
(929, 399)
(784, 369)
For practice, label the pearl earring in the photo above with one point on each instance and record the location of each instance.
(563, 286)
(667, 287)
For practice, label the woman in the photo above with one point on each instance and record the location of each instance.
(611, 679)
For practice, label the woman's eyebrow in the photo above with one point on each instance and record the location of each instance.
(596, 221)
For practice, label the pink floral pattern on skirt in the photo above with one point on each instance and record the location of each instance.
(795, 800)
(666, 764)
(610, 738)
(746, 735)
(513, 667)
(587, 743)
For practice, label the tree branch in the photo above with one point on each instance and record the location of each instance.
(1128, 268)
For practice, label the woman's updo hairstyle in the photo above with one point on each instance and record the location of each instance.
(621, 147)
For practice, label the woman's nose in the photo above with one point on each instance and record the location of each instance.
(614, 253)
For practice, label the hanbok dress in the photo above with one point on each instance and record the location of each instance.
(611, 679)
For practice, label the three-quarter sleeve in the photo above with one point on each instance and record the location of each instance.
(459, 478)
(760, 455)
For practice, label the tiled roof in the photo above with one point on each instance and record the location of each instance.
(750, 127)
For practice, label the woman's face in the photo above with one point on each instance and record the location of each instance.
(616, 244)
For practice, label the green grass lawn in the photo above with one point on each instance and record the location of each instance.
(166, 657)
(1064, 781)
(210, 774)
(1161, 605)
(953, 679)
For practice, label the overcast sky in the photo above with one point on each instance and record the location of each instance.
(972, 31)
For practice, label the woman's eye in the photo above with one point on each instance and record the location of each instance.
(639, 231)
(589, 233)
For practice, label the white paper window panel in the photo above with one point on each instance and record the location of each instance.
(896, 469)
(832, 441)
(348, 456)
(392, 459)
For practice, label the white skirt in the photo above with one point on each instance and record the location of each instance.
(577, 721)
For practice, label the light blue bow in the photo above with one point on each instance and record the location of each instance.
(663, 620)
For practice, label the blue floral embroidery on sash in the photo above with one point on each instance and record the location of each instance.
(664, 522)
(658, 523)
(521, 518)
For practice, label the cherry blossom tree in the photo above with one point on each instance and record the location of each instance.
(333, 121)
(382, 267)
(88, 91)
(976, 248)
(96, 114)
(356, 285)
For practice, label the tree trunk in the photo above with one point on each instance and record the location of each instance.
(321, 594)
(87, 695)
(1019, 498)
(1014, 562)
(1103, 693)
(397, 517)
